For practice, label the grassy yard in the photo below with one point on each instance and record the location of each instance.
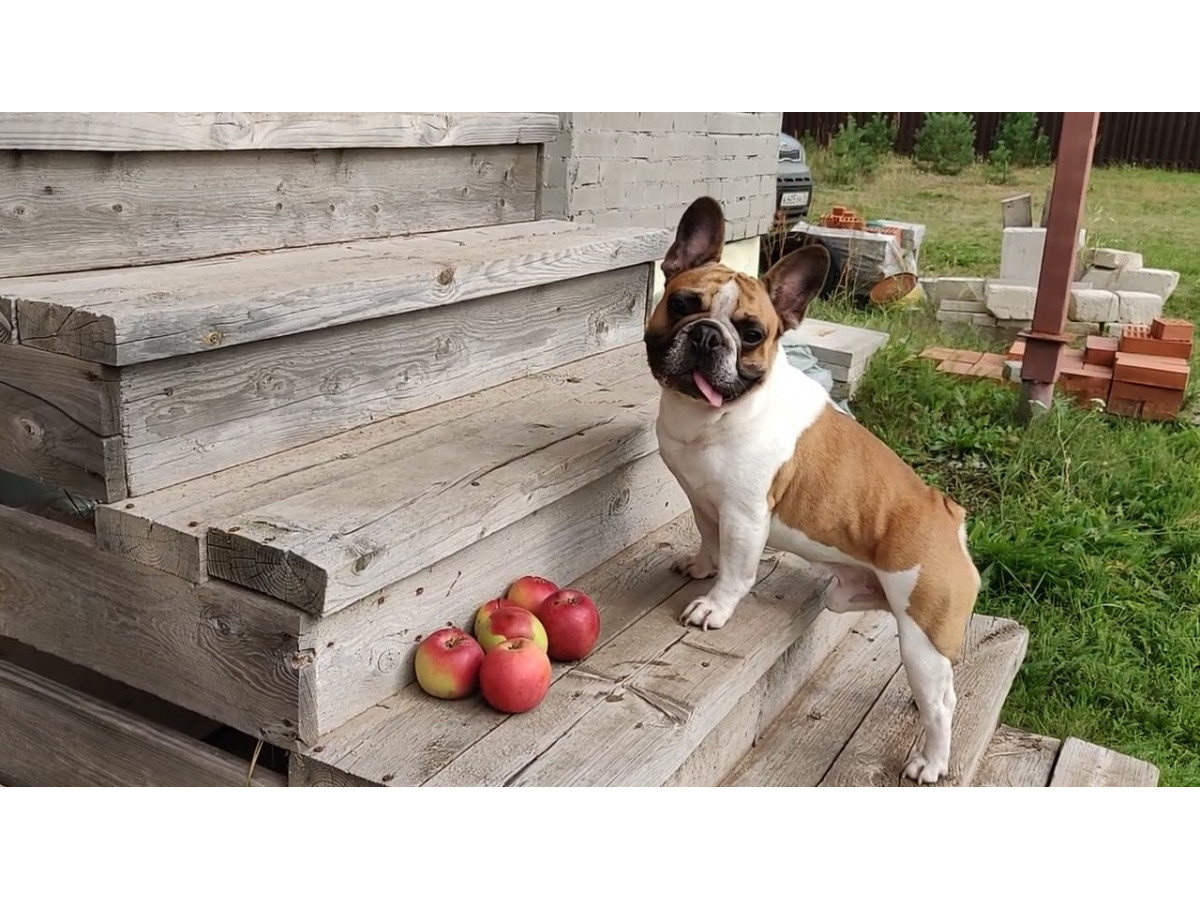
(1086, 527)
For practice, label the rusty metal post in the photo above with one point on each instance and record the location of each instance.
(1044, 339)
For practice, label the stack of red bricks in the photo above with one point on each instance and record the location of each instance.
(843, 217)
(1142, 374)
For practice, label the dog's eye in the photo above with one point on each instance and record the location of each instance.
(751, 334)
(681, 304)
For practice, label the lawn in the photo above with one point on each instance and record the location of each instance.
(1086, 527)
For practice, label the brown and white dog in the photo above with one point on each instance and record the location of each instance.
(767, 461)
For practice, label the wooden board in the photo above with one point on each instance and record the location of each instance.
(1081, 764)
(87, 393)
(124, 131)
(68, 212)
(56, 736)
(364, 653)
(8, 322)
(879, 749)
(223, 652)
(185, 418)
(812, 731)
(123, 317)
(423, 498)
(41, 441)
(167, 529)
(1017, 759)
(408, 738)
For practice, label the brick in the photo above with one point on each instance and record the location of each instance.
(1128, 390)
(1093, 305)
(1010, 301)
(1134, 331)
(1086, 382)
(1107, 258)
(1100, 351)
(938, 353)
(1154, 347)
(1171, 329)
(1157, 371)
(1139, 308)
(990, 365)
(1131, 408)
(1017, 350)
(955, 367)
(1147, 281)
(958, 289)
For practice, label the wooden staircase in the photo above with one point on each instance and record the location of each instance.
(321, 383)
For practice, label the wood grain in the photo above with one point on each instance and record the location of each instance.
(69, 212)
(39, 440)
(1081, 764)
(409, 738)
(1017, 759)
(167, 528)
(56, 736)
(809, 734)
(187, 417)
(223, 652)
(125, 317)
(879, 749)
(86, 392)
(456, 483)
(123, 131)
(8, 322)
(364, 653)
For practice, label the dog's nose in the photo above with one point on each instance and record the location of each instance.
(706, 337)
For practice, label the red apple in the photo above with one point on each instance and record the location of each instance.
(448, 664)
(529, 591)
(501, 620)
(572, 624)
(515, 676)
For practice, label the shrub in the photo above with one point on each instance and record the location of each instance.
(851, 156)
(945, 143)
(1019, 133)
(999, 165)
(880, 133)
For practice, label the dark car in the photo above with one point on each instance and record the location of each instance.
(793, 182)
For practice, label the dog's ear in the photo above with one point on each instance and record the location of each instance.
(795, 280)
(699, 238)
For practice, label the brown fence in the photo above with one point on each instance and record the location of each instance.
(1166, 140)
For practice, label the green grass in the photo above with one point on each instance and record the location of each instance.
(1086, 527)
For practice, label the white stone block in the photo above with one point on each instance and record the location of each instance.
(963, 306)
(1113, 329)
(1093, 306)
(958, 289)
(1147, 281)
(1012, 369)
(1139, 307)
(1107, 258)
(1021, 254)
(1100, 279)
(1087, 328)
(1010, 301)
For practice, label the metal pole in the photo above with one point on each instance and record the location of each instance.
(1044, 339)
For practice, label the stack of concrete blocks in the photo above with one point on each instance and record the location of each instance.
(644, 168)
(842, 350)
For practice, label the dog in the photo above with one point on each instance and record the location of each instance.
(766, 460)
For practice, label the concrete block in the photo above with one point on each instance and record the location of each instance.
(1100, 279)
(1147, 281)
(1085, 328)
(979, 320)
(1006, 300)
(958, 289)
(967, 306)
(1021, 254)
(655, 121)
(1113, 329)
(1012, 369)
(1140, 307)
(1107, 258)
(689, 121)
(1093, 305)
(733, 122)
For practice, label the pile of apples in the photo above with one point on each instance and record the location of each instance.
(516, 636)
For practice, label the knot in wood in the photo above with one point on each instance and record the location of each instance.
(445, 276)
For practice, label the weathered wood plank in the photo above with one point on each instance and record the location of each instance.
(56, 736)
(166, 529)
(456, 483)
(364, 653)
(1081, 764)
(182, 419)
(155, 312)
(133, 132)
(218, 650)
(69, 212)
(87, 392)
(879, 749)
(800, 747)
(39, 440)
(8, 321)
(1017, 759)
(661, 712)
(409, 738)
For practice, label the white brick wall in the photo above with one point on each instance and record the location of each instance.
(644, 168)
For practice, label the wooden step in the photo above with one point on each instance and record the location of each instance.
(855, 723)
(339, 520)
(1017, 758)
(107, 433)
(635, 712)
(1081, 764)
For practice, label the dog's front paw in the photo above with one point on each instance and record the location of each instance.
(697, 566)
(925, 771)
(704, 614)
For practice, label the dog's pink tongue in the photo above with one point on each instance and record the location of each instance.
(707, 390)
